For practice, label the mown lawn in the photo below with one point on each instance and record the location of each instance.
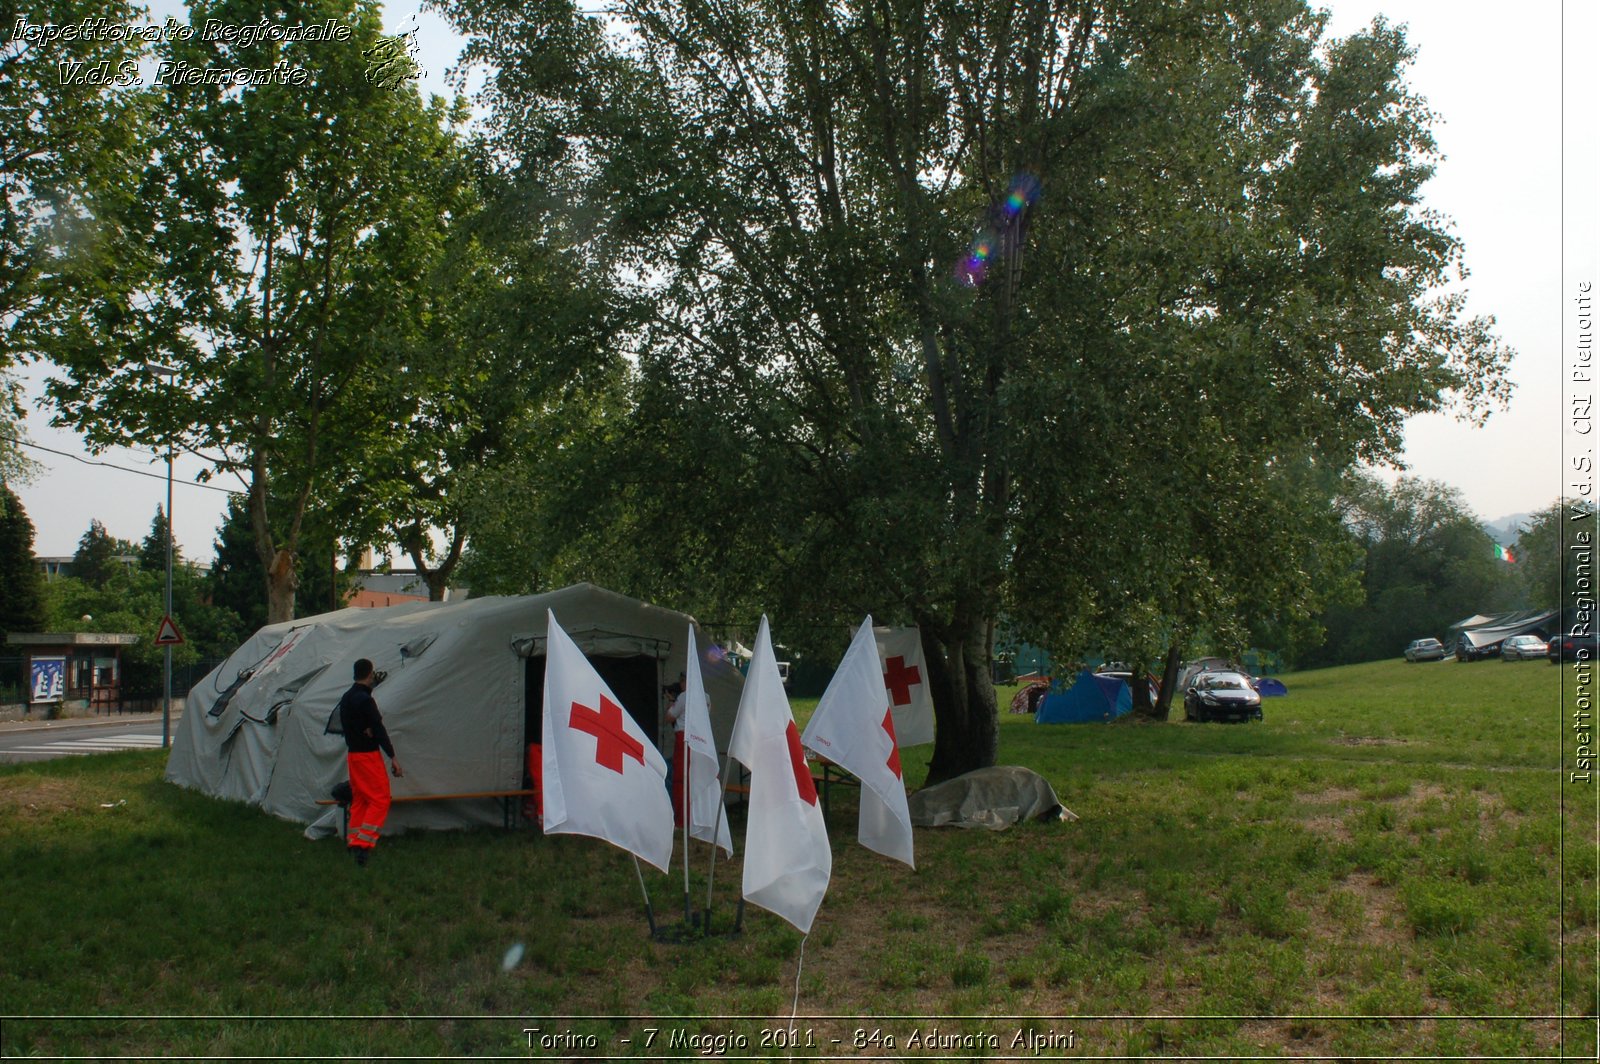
(1383, 867)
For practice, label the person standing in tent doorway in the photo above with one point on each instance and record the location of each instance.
(364, 736)
(677, 768)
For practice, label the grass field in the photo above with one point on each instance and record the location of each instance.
(1382, 867)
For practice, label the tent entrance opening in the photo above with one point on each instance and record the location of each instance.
(634, 680)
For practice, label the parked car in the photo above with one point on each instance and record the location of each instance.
(1221, 696)
(1467, 651)
(1523, 647)
(1569, 647)
(1425, 650)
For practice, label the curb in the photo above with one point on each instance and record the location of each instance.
(70, 723)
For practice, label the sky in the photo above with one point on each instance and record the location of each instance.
(1493, 76)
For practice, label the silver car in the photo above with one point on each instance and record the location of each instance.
(1425, 650)
(1522, 647)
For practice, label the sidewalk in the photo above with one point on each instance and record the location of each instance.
(101, 721)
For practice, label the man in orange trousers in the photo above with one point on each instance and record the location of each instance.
(364, 737)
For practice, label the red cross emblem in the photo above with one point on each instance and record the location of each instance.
(894, 746)
(899, 680)
(797, 761)
(611, 741)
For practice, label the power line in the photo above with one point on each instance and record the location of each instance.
(120, 469)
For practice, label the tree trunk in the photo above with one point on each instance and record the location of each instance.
(1169, 680)
(281, 586)
(1139, 686)
(965, 711)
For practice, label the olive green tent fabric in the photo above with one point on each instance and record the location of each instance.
(454, 700)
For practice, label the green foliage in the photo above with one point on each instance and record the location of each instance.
(1211, 294)
(1548, 565)
(133, 600)
(1424, 562)
(153, 550)
(21, 583)
(284, 229)
(66, 155)
(99, 556)
(238, 582)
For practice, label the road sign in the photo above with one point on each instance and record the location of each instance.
(168, 635)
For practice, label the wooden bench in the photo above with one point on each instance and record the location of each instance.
(826, 775)
(509, 806)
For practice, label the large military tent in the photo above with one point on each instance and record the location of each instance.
(462, 699)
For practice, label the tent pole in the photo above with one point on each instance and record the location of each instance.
(649, 913)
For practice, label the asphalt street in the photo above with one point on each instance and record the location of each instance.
(39, 741)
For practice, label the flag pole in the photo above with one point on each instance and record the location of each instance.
(686, 788)
(649, 913)
(716, 832)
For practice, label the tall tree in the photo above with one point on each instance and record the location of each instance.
(21, 582)
(99, 556)
(933, 278)
(236, 577)
(510, 335)
(153, 550)
(287, 223)
(1550, 565)
(1424, 562)
(68, 165)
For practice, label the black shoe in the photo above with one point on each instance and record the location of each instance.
(359, 853)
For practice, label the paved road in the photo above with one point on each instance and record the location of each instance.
(73, 738)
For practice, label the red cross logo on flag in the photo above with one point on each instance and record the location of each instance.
(900, 679)
(602, 776)
(894, 747)
(803, 783)
(787, 861)
(611, 742)
(854, 725)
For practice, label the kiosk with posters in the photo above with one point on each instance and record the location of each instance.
(70, 671)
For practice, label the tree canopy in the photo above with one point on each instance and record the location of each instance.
(286, 226)
(1075, 312)
(21, 583)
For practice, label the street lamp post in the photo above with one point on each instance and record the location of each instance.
(166, 701)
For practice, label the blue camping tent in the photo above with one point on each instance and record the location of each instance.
(1091, 698)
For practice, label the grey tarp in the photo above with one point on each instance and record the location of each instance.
(454, 699)
(993, 798)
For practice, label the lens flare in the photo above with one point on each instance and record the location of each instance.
(1024, 190)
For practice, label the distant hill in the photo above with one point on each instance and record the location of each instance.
(1506, 530)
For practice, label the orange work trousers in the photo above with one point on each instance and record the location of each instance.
(680, 781)
(369, 800)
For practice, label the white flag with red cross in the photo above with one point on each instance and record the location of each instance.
(905, 678)
(602, 777)
(853, 728)
(708, 822)
(787, 862)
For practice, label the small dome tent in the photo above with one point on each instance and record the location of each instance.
(1091, 698)
(462, 699)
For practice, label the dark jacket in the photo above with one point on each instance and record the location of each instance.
(363, 724)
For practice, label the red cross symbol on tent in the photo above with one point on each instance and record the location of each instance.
(611, 741)
(900, 679)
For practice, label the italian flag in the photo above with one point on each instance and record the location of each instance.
(1503, 553)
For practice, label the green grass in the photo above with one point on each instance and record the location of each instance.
(1388, 843)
